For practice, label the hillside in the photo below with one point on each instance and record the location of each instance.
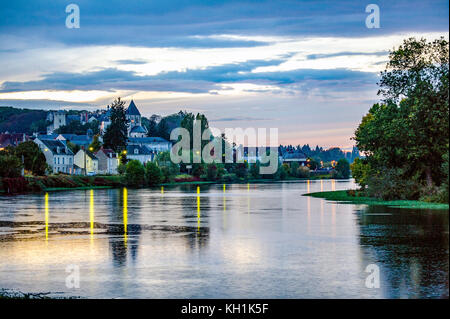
(15, 120)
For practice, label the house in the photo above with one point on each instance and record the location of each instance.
(108, 161)
(14, 139)
(294, 156)
(87, 161)
(58, 156)
(135, 128)
(80, 140)
(141, 153)
(155, 144)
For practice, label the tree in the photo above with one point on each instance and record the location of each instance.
(73, 147)
(135, 174)
(211, 172)
(10, 166)
(96, 144)
(407, 134)
(163, 129)
(293, 169)
(254, 170)
(33, 158)
(303, 172)
(152, 128)
(343, 168)
(153, 174)
(116, 133)
(360, 172)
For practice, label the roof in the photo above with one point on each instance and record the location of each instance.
(132, 109)
(7, 139)
(53, 145)
(47, 137)
(296, 155)
(71, 118)
(142, 150)
(138, 129)
(146, 140)
(107, 151)
(91, 155)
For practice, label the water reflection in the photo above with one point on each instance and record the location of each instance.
(189, 241)
(411, 249)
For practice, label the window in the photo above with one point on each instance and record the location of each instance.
(63, 160)
(58, 160)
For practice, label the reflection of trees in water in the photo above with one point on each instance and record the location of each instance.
(411, 249)
(196, 213)
(123, 237)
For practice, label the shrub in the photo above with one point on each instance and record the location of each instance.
(391, 184)
(254, 170)
(303, 172)
(153, 174)
(121, 168)
(211, 172)
(135, 174)
(294, 168)
(229, 177)
(343, 168)
(10, 166)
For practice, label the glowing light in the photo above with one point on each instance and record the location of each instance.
(46, 216)
(307, 185)
(162, 189)
(91, 214)
(224, 187)
(125, 214)
(198, 189)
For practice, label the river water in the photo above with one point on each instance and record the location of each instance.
(232, 241)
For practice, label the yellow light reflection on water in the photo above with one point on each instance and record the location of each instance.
(307, 185)
(91, 213)
(46, 216)
(125, 214)
(198, 214)
(162, 189)
(321, 185)
(198, 189)
(224, 187)
(333, 185)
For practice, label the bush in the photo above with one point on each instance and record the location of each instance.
(303, 172)
(294, 168)
(121, 168)
(360, 172)
(211, 172)
(10, 166)
(135, 174)
(228, 178)
(254, 170)
(241, 170)
(153, 174)
(343, 168)
(391, 184)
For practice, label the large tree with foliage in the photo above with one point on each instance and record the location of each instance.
(116, 133)
(407, 134)
(33, 158)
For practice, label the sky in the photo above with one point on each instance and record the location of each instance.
(308, 68)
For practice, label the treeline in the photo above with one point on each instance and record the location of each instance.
(26, 121)
(319, 154)
(405, 137)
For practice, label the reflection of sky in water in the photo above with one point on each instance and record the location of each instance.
(247, 240)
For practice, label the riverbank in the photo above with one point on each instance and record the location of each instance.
(36, 184)
(345, 197)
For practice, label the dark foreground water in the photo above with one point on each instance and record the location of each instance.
(244, 241)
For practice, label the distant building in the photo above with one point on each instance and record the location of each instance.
(135, 128)
(58, 156)
(294, 156)
(86, 161)
(108, 161)
(58, 119)
(155, 144)
(80, 140)
(14, 139)
(141, 153)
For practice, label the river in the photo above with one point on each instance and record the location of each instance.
(220, 241)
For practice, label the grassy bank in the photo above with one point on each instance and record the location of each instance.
(344, 196)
